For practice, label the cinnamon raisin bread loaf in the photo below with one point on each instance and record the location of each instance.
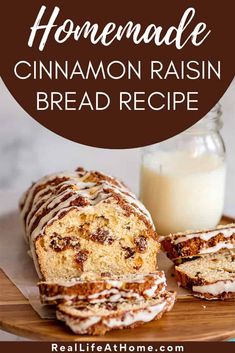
(211, 276)
(190, 244)
(87, 222)
(104, 289)
(97, 319)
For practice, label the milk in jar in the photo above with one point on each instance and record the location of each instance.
(183, 179)
(182, 192)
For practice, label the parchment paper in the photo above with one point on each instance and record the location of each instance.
(14, 260)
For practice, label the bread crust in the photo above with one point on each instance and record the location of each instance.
(188, 282)
(104, 290)
(195, 246)
(75, 322)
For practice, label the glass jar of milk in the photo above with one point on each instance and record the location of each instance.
(183, 178)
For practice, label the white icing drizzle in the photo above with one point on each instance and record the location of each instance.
(51, 200)
(38, 199)
(27, 196)
(65, 297)
(152, 290)
(104, 292)
(226, 232)
(145, 315)
(217, 247)
(117, 281)
(50, 216)
(91, 191)
(85, 324)
(216, 288)
(113, 294)
(81, 325)
(98, 196)
(72, 180)
(46, 205)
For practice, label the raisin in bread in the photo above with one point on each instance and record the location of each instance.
(190, 244)
(117, 288)
(87, 222)
(97, 319)
(211, 276)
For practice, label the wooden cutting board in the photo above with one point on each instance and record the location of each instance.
(190, 319)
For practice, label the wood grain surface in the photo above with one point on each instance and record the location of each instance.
(190, 319)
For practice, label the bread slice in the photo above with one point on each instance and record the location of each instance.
(211, 276)
(97, 319)
(194, 243)
(117, 288)
(85, 222)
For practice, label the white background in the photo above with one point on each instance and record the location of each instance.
(28, 151)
